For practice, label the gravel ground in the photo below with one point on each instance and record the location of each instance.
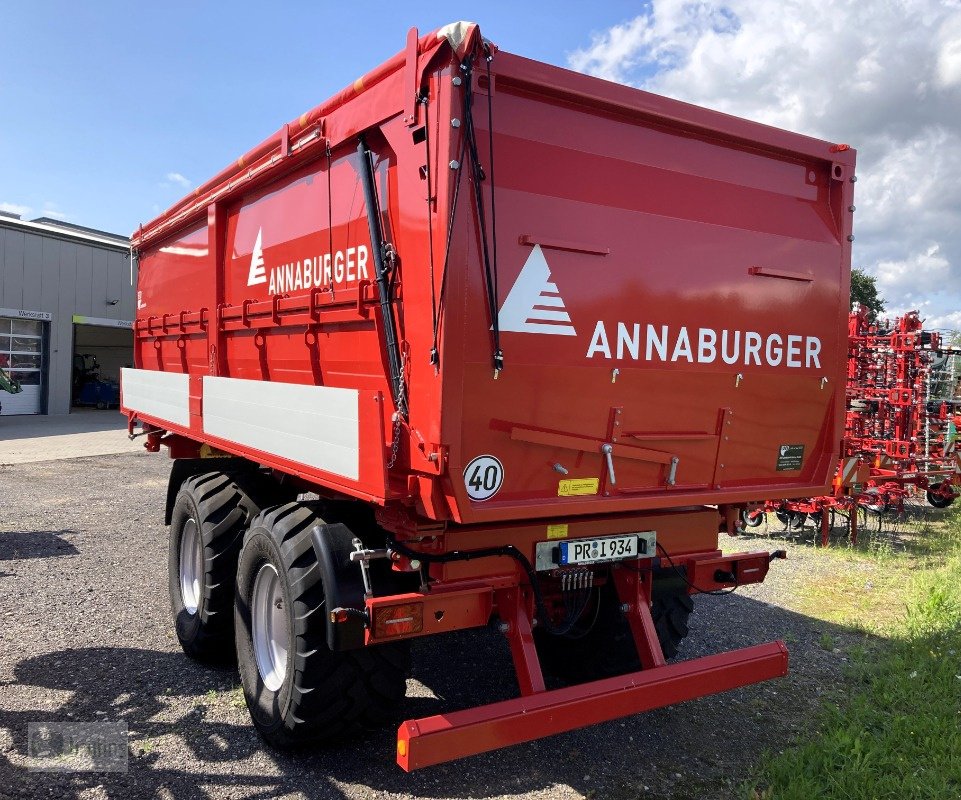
(86, 635)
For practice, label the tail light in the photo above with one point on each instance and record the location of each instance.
(398, 620)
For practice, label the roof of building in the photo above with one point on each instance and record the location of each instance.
(81, 228)
(65, 230)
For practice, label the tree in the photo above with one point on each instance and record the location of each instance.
(864, 290)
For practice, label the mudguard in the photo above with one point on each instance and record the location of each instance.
(343, 584)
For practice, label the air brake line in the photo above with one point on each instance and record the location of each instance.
(382, 254)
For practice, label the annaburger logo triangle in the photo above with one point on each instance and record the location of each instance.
(533, 304)
(258, 273)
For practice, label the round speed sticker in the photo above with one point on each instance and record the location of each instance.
(483, 477)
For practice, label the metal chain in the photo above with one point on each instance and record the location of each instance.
(401, 403)
(395, 444)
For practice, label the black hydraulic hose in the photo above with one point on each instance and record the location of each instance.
(696, 589)
(477, 177)
(498, 353)
(450, 235)
(383, 278)
(434, 354)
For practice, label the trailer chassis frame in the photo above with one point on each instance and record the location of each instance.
(537, 712)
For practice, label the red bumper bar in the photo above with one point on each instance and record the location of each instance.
(445, 737)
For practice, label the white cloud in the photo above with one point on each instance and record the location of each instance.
(614, 53)
(949, 51)
(52, 210)
(15, 208)
(176, 179)
(883, 77)
(946, 322)
(920, 281)
(49, 209)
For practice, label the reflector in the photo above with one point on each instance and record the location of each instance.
(398, 620)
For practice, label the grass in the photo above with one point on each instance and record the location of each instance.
(896, 730)
(231, 698)
(858, 590)
(863, 586)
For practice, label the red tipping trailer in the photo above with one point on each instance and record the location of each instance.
(492, 312)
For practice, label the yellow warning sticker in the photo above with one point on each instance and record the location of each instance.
(578, 486)
(557, 531)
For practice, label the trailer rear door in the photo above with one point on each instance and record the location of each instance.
(672, 294)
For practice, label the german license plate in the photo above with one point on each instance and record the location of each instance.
(592, 551)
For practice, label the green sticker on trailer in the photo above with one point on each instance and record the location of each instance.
(789, 457)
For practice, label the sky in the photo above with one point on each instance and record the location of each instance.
(110, 112)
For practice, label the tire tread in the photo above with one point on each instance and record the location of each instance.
(334, 695)
(225, 502)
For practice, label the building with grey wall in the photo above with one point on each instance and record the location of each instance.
(67, 301)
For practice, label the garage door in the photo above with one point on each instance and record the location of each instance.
(21, 356)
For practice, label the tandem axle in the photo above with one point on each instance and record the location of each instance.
(324, 578)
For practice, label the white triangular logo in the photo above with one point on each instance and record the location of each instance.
(257, 272)
(533, 304)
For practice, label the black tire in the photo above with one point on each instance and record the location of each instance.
(753, 518)
(221, 509)
(938, 500)
(791, 520)
(671, 612)
(324, 696)
(606, 647)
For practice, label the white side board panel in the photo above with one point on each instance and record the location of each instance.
(165, 395)
(314, 425)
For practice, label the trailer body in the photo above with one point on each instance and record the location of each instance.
(510, 306)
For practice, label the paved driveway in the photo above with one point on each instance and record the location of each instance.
(86, 636)
(28, 439)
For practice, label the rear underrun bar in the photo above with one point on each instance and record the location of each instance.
(446, 737)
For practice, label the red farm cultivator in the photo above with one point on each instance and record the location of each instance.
(900, 428)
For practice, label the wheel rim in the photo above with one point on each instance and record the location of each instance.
(271, 636)
(191, 566)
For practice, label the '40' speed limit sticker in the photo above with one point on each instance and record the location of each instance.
(483, 477)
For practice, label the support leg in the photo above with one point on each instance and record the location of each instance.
(634, 591)
(513, 611)
(825, 527)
